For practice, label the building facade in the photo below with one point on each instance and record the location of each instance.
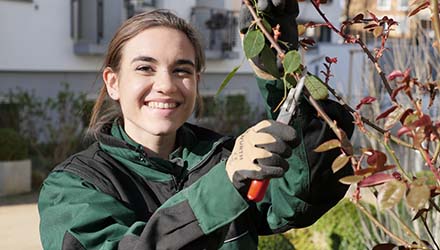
(45, 43)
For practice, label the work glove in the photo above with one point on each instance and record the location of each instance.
(282, 12)
(259, 153)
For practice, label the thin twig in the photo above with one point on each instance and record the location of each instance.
(436, 21)
(263, 29)
(379, 225)
(426, 157)
(425, 224)
(366, 121)
(361, 43)
(407, 229)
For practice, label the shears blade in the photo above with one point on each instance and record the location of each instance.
(288, 109)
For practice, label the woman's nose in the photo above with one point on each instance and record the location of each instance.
(164, 82)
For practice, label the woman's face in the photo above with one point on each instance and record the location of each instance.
(156, 85)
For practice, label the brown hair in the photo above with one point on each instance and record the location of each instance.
(106, 109)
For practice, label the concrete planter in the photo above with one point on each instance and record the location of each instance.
(15, 177)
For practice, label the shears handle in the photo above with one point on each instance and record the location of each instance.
(257, 190)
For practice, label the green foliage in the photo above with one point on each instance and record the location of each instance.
(253, 43)
(230, 114)
(274, 242)
(53, 127)
(291, 62)
(337, 229)
(13, 146)
(269, 61)
(316, 88)
(227, 79)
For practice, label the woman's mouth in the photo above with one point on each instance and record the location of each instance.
(162, 105)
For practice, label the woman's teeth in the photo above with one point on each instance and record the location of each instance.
(162, 105)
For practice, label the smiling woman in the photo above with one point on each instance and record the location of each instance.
(153, 181)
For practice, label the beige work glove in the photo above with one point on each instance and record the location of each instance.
(259, 153)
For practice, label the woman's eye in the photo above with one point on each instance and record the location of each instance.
(145, 68)
(184, 71)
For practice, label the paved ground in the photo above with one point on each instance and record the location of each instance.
(19, 223)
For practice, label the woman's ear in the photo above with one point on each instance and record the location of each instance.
(111, 83)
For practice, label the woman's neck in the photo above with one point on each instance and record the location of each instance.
(154, 145)
(159, 146)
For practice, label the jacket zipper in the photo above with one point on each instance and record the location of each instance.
(200, 164)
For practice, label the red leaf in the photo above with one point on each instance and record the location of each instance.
(373, 16)
(425, 120)
(377, 159)
(370, 26)
(331, 59)
(396, 91)
(358, 17)
(375, 180)
(387, 246)
(402, 131)
(419, 8)
(393, 75)
(405, 115)
(365, 100)
(385, 168)
(386, 112)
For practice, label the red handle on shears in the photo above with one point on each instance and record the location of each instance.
(257, 190)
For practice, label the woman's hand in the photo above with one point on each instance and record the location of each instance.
(259, 153)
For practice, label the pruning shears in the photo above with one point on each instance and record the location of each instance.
(258, 188)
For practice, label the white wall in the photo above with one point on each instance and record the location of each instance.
(36, 37)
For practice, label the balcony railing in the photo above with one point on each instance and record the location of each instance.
(219, 31)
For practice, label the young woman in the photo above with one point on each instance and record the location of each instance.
(153, 181)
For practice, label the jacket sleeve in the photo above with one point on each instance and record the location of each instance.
(75, 215)
(309, 188)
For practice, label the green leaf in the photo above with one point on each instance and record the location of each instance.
(351, 179)
(390, 194)
(328, 145)
(267, 25)
(418, 195)
(316, 87)
(289, 81)
(253, 43)
(227, 79)
(291, 62)
(269, 62)
(340, 162)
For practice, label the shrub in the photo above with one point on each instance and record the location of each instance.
(12, 145)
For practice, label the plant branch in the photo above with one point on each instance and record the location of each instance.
(436, 154)
(366, 121)
(425, 224)
(407, 229)
(429, 162)
(379, 225)
(281, 55)
(436, 21)
(266, 33)
(361, 43)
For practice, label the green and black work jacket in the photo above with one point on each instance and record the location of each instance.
(114, 196)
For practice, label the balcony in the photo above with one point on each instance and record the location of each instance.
(93, 22)
(219, 31)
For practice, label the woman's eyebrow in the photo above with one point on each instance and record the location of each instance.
(144, 59)
(185, 61)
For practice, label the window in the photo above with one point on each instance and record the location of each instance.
(403, 5)
(383, 4)
(142, 3)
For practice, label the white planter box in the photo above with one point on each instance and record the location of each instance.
(15, 177)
